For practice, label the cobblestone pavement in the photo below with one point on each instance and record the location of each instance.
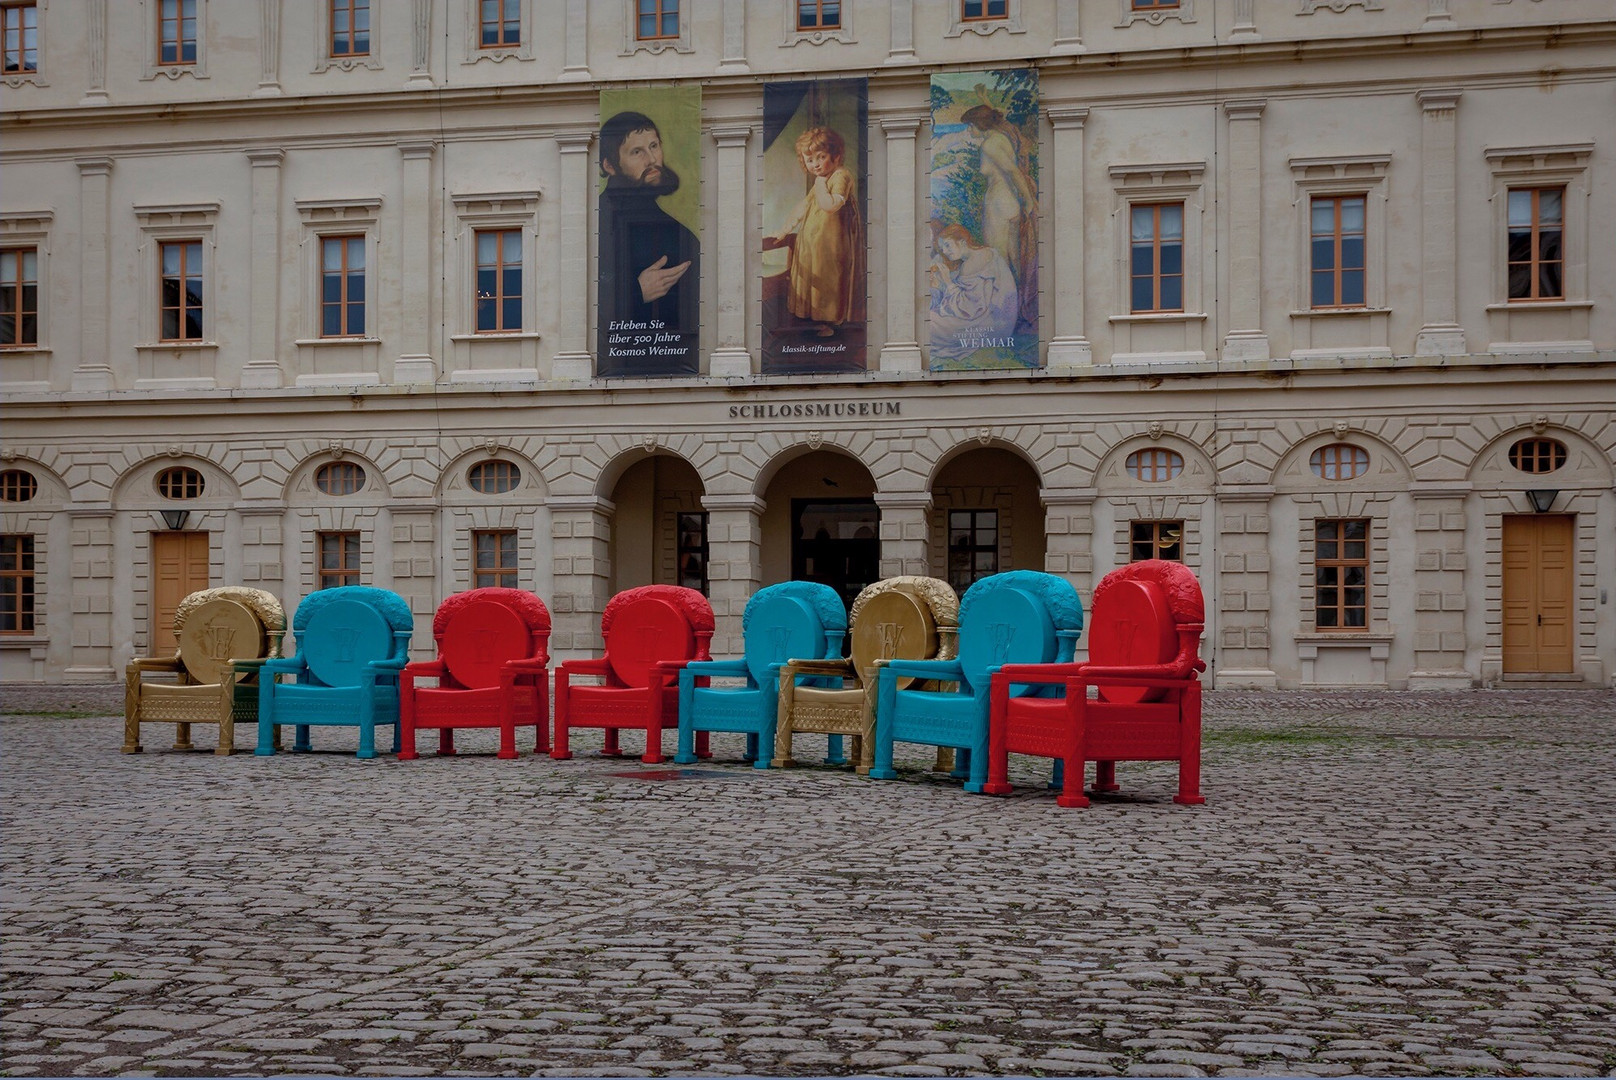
(1379, 883)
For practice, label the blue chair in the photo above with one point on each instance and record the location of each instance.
(352, 642)
(795, 619)
(1018, 617)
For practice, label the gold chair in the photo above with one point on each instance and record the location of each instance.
(225, 635)
(913, 618)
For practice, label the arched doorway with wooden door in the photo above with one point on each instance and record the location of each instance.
(821, 523)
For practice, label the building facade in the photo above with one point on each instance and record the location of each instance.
(1323, 307)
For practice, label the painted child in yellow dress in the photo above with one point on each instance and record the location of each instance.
(823, 280)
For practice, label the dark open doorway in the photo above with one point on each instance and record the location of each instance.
(837, 543)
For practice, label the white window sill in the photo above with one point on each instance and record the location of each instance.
(314, 343)
(176, 346)
(1337, 312)
(1161, 317)
(502, 335)
(25, 350)
(1542, 305)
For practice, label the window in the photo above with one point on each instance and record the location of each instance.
(342, 286)
(1157, 257)
(21, 38)
(499, 280)
(1154, 465)
(1156, 540)
(977, 10)
(339, 558)
(1538, 455)
(17, 485)
(350, 28)
(19, 297)
(500, 24)
(181, 284)
(16, 584)
(176, 32)
(1536, 243)
(973, 546)
(339, 478)
(1339, 461)
(657, 20)
(1338, 251)
(1341, 574)
(819, 14)
(494, 477)
(180, 482)
(495, 553)
(692, 551)
(1153, 5)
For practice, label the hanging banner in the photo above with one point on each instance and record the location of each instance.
(814, 247)
(650, 219)
(983, 270)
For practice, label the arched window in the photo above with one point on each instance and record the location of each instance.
(339, 478)
(1155, 464)
(494, 477)
(1538, 455)
(180, 482)
(17, 485)
(1340, 461)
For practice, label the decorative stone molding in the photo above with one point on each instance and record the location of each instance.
(958, 25)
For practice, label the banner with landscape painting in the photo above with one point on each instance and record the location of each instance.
(983, 236)
(814, 247)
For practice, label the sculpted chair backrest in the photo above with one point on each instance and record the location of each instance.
(216, 626)
(1017, 617)
(1147, 614)
(479, 631)
(654, 623)
(903, 618)
(340, 631)
(790, 620)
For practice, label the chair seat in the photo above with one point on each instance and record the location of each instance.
(440, 708)
(611, 706)
(336, 706)
(193, 704)
(730, 710)
(1037, 726)
(1144, 732)
(828, 712)
(935, 719)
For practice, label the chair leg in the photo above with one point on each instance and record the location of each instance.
(182, 737)
(269, 737)
(704, 745)
(446, 742)
(1105, 777)
(653, 745)
(610, 746)
(764, 738)
(998, 782)
(507, 739)
(300, 742)
(227, 733)
(750, 754)
(367, 739)
(1189, 747)
(881, 767)
(945, 762)
(961, 759)
(782, 743)
(833, 751)
(561, 747)
(685, 754)
(131, 726)
(1072, 764)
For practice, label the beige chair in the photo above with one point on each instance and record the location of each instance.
(915, 618)
(225, 635)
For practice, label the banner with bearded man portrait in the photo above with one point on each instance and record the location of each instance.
(649, 313)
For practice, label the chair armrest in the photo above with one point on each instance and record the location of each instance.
(248, 666)
(286, 666)
(1166, 682)
(725, 669)
(584, 667)
(530, 665)
(154, 663)
(391, 664)
(940, 670)
(842, 669)
(426, 669)
(1040, 674)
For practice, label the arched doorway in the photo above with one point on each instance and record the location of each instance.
(659, 529)
(820, 523)
(986, 517)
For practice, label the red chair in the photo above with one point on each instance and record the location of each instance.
(493, 651)
(1143, 663)
(651, 633)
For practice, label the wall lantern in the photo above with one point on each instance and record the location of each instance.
(175, 519)
(1541, 499)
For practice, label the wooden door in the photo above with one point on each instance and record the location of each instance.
(179, 568)
(1539, 613)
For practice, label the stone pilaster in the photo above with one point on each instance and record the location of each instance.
(1246, 339)
(733, 60)
(415, 363)
(901, 32)
(731, 358)
(262, 554)
(1440, 333)
(420, 46)
(734, 559)
(1070, 347)
(269, 49)
(1439, 591)
(1068, 29)
(902, 349)
(415, 567)
(1245, 22)
(905, 531)
(574, 361)
(95, 44)
(1069, 535)
(576, 62)
(263, 367)
(94, 577)
(94, 371)
(1244, 603)
(581, 561)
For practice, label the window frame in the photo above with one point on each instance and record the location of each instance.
(974, 546)
(154, 65)
(1337, 237)
(331, 218)
(660, 15)
(819, 26)
(1557, 165)
(501, 267)
(1339, 563)
(1535, 263)
(504, 9)
(688, 523)
(1010, 21)
(20, 483)
(1147, 183)
(345, 303)
(1558, 454)
(16, 76)
(1155, 539)
(19, 310)
(184, 244)
(337, 576)
(513, 472)
(1130, 13)
(350, 472)
(1161, 460)
(184, 495)
(501, 575)
(20, 582)
(353, 8)
(1328, 461)
(1157, 275)
(160, 224)
(496, 211)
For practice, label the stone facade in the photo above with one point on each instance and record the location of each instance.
(1431, 111)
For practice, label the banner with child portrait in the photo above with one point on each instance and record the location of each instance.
(814, 246)
(649, 303)
(982, 242)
